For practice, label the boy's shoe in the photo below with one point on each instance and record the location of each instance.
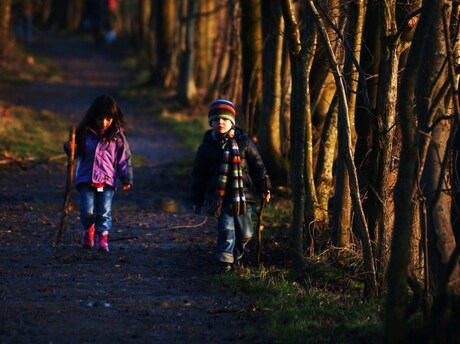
(102, 241)
(87, 239)
(224, 267)
(237, 264)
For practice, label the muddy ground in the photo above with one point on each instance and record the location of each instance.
(158, 283)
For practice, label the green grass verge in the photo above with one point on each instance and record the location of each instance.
(22, 65)
(299, 311)
(190, 130)
(26, 133)
(29, 134)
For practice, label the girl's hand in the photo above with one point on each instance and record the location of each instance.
(126, 187)
(68, 146)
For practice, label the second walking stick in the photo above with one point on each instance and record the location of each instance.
(69, 185)
(260, 226)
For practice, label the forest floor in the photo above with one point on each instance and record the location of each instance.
(158, 283)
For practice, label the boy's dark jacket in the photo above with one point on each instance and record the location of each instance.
(206, 168)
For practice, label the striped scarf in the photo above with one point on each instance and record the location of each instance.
(230, 167)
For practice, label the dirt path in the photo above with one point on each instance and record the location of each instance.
(157, 283)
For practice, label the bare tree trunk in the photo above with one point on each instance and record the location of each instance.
(223, 51)
(145, 15)
(206, 28)
(5, 20)
(298, 106)
(269, 138)
(324, 121)
(444, 271)
(285, 112)
(341, 224)
(397, 276)
(346, 150)
(166, 29)
(186, 87)
(324, 166)
(75, 11)
(311, 200)
(342, 218)
(358, 11)
(342, 215)
(45, 10)
(381, 162)
(370, 61)
(251, 48)
(230, 86)
(128, 23)
(323, 88)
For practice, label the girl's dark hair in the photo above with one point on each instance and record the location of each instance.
(102, 107)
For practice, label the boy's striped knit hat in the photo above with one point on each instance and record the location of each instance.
(222, 108)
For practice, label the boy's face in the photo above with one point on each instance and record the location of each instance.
(221, 125)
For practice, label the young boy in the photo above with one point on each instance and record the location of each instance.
(227, 171)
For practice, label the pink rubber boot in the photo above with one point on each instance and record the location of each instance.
(87, 239)
(102, 241)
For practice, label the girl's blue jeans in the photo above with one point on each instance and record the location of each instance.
(233, 233)
(96, 207)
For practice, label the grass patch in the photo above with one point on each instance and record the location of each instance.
(189, 129)
(21, 65)
(26, 133)
(299, 310)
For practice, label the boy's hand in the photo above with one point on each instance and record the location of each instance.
(267, 196)
(126, 187)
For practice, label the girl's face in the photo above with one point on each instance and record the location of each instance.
(221, 125)
(104, 123)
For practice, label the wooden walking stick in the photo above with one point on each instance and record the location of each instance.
(260, 226)
(66, 206)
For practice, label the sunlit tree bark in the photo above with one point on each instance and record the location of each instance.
(324, 120)
(444, 271)
(286, 89)
(397, 296)
(269, 138)
(186, 88)
(298, 60)
(145, 15)
(223, 51)
(324, 174)
(346, 150)
(206, 28)
(309, 36)
(251, 48)
(5, 20)
(381, 162)
(342, 206)
(231, 85)
(166, 27)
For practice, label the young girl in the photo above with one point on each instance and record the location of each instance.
(103, 157)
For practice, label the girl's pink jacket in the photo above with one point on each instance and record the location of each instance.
(102, 161)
